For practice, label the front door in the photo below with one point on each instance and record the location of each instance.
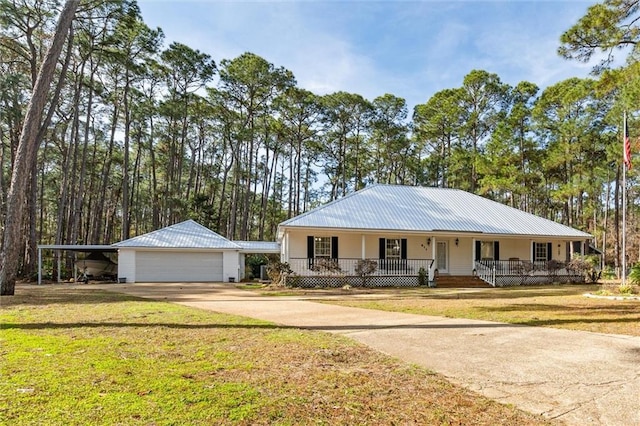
(442, 258)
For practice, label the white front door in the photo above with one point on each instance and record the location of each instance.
(442, 258)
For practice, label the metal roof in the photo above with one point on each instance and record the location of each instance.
(258, 246)
(79, 247)
(423, 209)
(187, 234)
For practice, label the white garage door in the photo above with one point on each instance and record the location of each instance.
(163, 266)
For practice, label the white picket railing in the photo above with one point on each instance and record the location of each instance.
(379, 267)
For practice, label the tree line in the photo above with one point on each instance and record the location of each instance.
(142, 133)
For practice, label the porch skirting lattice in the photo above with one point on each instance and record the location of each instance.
(353, 281)
(517, 280)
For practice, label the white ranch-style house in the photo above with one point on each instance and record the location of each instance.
(400, 230)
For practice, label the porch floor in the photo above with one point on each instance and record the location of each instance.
(460, 281)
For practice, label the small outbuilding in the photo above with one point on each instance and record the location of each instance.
(184, 252)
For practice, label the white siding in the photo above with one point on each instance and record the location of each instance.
(242, 265)
(511, 248)
(178, 266)
(349, 245)
(230, 266)
(460, 256)
(127, 265)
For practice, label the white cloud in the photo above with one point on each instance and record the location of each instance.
(409, 49)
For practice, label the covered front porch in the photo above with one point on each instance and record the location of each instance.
(328, 272)
(505, 273)
(337, 258)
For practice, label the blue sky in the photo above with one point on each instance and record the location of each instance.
(411, 49)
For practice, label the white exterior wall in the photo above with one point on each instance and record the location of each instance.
(461, 260)
(511, 248)
(523, 248)
(460, 256)
(127, 265)
(350, 244)
(242, 265)
(230, 265)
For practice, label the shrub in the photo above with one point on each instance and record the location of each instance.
(365, 268)
(423, 279)
(586, 267)
(326, 265)
(277, 271)
(634, 274)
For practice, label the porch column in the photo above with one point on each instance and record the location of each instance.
(39, 265)
(284, 255)
(364, 251)
(435, 261)
(473, 254)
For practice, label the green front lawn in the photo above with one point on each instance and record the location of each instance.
(77, 357)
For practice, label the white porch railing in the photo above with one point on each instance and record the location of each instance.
(347, 267)
(518, 272)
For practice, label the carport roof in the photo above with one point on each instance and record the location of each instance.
(187, 234)
(78, 247)
(258, 247)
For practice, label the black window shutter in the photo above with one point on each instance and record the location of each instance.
(478, 248)
(310, 250)
(549, 251)
(496, 250)
(310, 247)
(334, 247)
(403, 248)
(383, 248)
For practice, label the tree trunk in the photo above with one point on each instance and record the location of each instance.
(26, 153)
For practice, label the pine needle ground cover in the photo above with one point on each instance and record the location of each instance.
(77, 357)
(544, 306)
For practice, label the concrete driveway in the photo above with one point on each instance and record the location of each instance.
(580, 378)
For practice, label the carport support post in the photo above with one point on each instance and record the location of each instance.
(59, 265)
(39, 266)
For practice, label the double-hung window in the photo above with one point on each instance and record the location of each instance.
(486, 250)
(393, 248)
(540, 251)
(322, 247)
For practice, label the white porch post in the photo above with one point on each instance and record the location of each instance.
(285, 247)
(39, 265)
(473, 254)
(364, 251)
(435, 261)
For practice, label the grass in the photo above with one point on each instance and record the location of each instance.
(545, 306)
(77, 356)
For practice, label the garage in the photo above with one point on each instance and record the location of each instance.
(184, 252)
(163, 266)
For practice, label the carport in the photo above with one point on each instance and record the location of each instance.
(96, 248)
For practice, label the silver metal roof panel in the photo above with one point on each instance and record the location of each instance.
(187, 234)
(423, 209)
(259, 246)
